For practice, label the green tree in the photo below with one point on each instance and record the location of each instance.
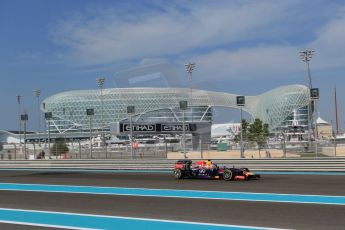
(59, 147)
(258, 132)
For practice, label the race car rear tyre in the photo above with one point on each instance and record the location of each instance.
(227, 174)
(178, 174)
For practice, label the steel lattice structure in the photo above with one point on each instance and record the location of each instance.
(157, 104)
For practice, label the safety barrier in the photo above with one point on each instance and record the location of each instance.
(300, 164)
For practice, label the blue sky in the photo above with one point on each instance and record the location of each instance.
(244, 47)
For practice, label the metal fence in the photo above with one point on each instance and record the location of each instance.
(81, 150)
(325, 164)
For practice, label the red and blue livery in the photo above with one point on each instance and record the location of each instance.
(207, 169)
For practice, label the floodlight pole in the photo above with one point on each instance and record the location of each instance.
(131, 135)
(315, 129)
(20, 121)
(314, 95)
(240, 101)
(184, 107)
(242, 154)
(24, 119)
(90, 113)
(189, 68)
(38, 94)
(184, 135)
(306, 56)
(49, 153)
(48, 116)
(100, 82)
(90, 137)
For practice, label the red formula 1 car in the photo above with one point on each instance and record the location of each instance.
(206, 169)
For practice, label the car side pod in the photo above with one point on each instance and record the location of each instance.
(240, 178)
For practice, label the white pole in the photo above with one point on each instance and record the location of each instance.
(25, 139)
(39, 120)
(335, 146)
(90, 137)
(315, 129)
(184, 136)
(38, 94)
(100, 82)
(284, 145)
(48, 139)
(131, 135)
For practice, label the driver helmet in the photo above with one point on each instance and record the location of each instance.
(208, 163)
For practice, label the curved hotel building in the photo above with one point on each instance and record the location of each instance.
(280, 107)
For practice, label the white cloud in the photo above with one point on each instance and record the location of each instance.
(278, 61)
(225, 38)
(107, 37)
(152, 61)
(249, 63)
(329, 45)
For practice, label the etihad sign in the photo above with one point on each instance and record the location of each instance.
(159, 128)
(140, 127)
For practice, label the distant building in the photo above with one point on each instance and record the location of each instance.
(9, 137)
(225, 130)
(324, 129)
(162, 105)
(159, 108)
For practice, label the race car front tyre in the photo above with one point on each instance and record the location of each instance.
(227, 174)
(178, 174)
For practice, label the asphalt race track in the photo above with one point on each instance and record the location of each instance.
(249, 212)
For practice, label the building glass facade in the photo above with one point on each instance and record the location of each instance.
(162, 105)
